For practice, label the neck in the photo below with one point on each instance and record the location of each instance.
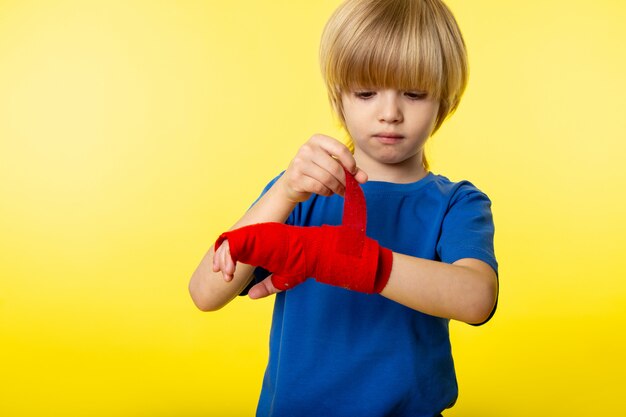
(407, 171)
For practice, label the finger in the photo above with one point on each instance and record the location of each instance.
(361, 176)
(321, 180)
(263, 289)
(303, 177)
(332, 172)
(338, 181)
(338, 150)
(220, 261)
(228, 268)
(217, 258)
(215, 265)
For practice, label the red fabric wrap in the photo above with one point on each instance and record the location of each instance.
(337, 255)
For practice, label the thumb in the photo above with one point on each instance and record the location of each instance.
(263, 289)
(361, 176)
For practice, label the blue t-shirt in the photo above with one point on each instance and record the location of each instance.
(335, 352)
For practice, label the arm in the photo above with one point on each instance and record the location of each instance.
(343, 256)
(465, 290)
(316, 168)
(211, 290)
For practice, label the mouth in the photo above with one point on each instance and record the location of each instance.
(388, 137)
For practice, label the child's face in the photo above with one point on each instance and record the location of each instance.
(389, 126)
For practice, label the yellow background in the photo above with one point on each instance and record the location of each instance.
(132, 133)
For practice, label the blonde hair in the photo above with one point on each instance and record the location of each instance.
(401, 44)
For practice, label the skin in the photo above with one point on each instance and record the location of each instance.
(389, 129)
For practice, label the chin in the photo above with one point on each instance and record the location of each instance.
(392, 158)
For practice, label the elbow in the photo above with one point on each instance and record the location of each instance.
(484, 303)
(205, 306)
(202, 301)
(208, 308)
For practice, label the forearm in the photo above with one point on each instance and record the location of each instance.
(273, 206)
(465, 291)
(209, 291)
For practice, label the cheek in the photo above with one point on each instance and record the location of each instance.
(434, 114)
(426, 121)
(354, 134)
(352, 123)
(356, 130)
(429, 124)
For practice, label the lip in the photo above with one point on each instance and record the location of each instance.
(388, 137)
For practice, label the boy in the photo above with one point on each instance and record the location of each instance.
(368, 336)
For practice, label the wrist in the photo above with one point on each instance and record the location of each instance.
(383, 271)
(282, 191)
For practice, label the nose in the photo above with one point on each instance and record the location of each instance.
(389, 110)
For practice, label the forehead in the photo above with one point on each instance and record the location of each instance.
(390, 74)
(398, 60)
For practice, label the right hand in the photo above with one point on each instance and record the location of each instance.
(342, 256)
(317, 168)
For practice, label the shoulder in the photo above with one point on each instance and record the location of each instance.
(435, 186)
(456, 191)
(457, 188)
(467, 229)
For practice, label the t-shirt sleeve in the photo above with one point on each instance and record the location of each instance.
(468, 232)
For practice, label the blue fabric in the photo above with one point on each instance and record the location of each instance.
(335, 352)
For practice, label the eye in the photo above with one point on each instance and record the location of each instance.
(416, 95)
(364, 95)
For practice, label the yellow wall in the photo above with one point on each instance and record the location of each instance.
(132, 133)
